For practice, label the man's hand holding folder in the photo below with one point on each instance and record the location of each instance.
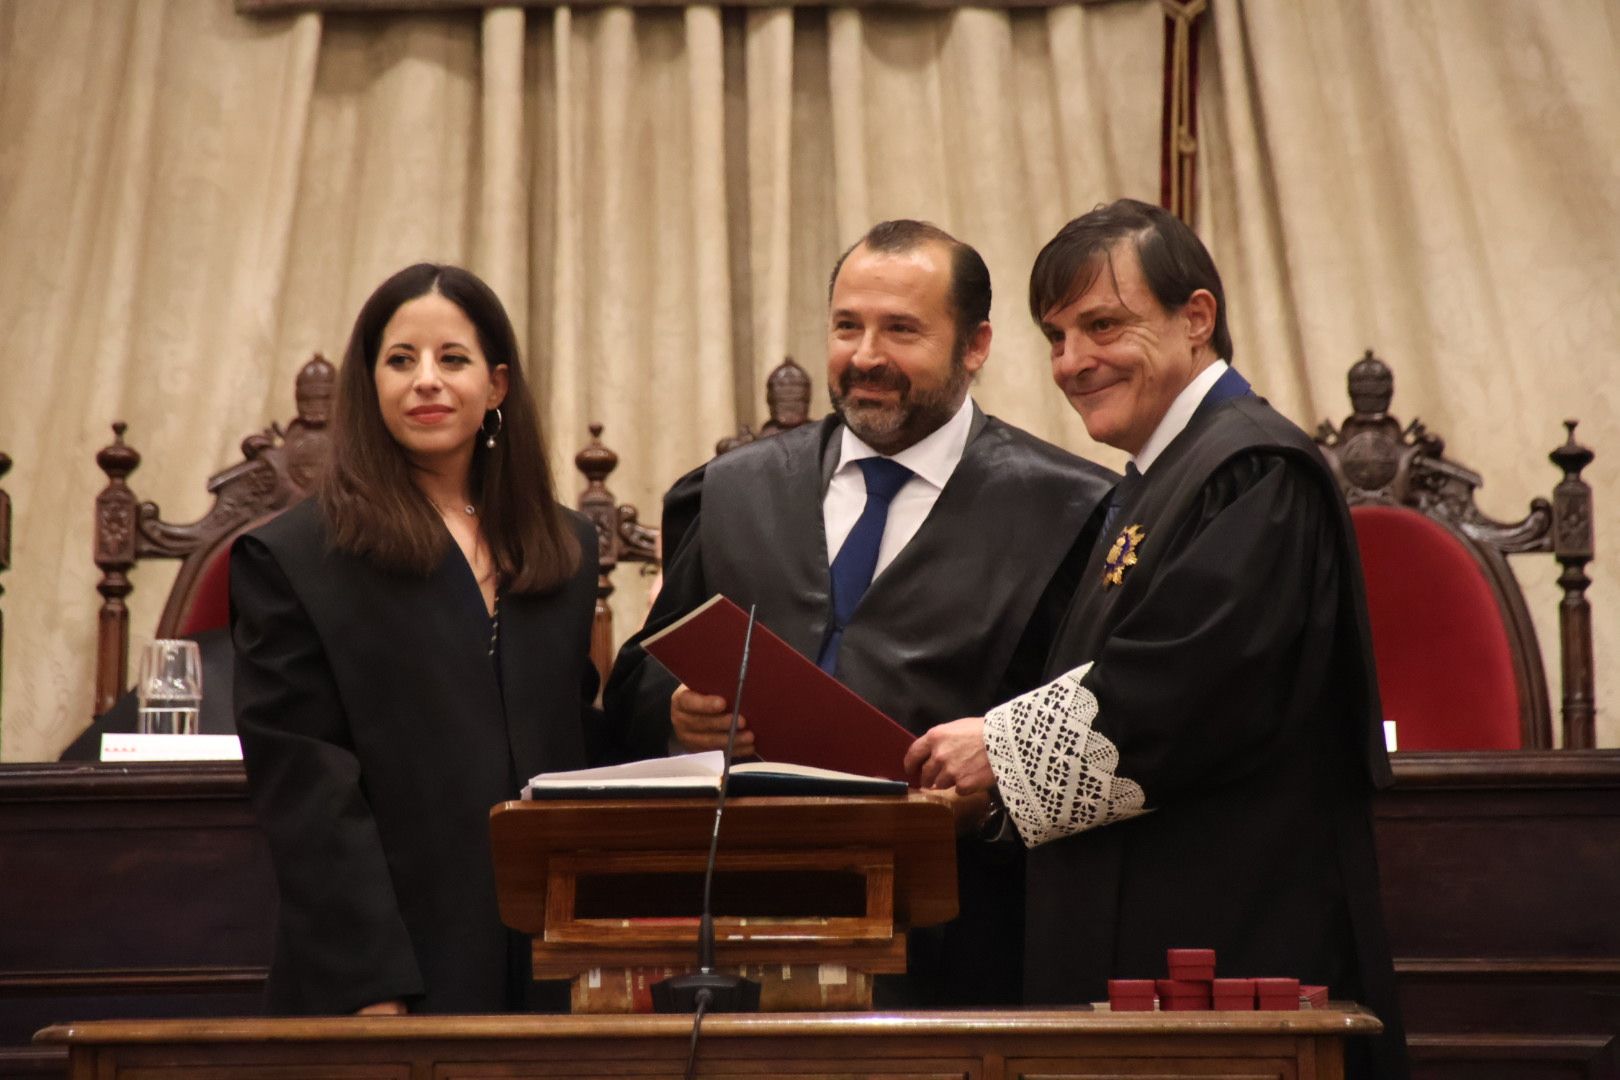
(799, 714)
(702, 722)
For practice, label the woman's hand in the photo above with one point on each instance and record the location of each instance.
(384, 1008)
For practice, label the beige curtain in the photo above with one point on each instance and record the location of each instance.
(192, 202)
(1438, 181)
(150, 156)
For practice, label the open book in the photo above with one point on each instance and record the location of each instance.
(797, 712)
(692, 774)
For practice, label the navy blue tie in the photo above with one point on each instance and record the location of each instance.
(857, 560)
(1117, 499)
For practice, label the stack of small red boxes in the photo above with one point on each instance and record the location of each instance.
(1193, 987)
(1190, 985)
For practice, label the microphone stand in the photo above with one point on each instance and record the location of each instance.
(707, 990)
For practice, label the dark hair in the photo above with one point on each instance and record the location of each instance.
(1174, 261)
(970, 278)
(373, 508)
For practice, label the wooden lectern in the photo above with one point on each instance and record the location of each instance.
(812, 896)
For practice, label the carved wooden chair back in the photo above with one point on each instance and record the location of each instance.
(1459, 666)
(787, 405)
(277, 469)
(620, 538)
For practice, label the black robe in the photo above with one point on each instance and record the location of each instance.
(960, 620)
(1233, 675)
(377, 734)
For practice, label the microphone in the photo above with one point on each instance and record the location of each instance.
(707, 990)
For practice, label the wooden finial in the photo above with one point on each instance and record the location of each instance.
(1574, 544)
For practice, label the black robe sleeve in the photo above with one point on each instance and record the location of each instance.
(1197, 682)
(345, 942)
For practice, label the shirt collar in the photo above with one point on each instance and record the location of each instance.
(932, 458)
(1179, 415)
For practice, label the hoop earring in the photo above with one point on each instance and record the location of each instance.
(489, 436)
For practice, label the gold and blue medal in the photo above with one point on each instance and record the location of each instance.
(1122, 555)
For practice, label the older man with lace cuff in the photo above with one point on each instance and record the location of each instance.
(1199, 770)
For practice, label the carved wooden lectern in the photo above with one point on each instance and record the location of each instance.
(812, 896)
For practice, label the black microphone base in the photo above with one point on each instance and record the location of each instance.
(727, 993)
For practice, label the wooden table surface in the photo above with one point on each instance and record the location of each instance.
(968, 1045)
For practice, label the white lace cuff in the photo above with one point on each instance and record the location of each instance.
(1057, 775)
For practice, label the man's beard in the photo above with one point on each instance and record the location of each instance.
(915, 414)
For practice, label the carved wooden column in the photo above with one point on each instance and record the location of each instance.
(596, 502)
(620, 537)
(1572, 536)
(115, 555)
(279, 466)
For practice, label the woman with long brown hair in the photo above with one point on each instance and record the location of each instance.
(412, 644)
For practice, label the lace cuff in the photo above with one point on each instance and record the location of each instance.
(1057, 775)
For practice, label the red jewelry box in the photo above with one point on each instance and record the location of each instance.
(1234, 995)
(1183, 995)
(1130, 995)
(1316, 996)
(1191, 964)
(1279, 995)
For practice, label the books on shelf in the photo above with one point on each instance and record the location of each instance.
(783, 988)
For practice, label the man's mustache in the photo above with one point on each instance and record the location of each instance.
(887, 377)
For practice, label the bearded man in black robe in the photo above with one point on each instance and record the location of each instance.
(964, 568)
(1199, 771)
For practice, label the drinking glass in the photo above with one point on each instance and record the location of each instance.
(170, 688)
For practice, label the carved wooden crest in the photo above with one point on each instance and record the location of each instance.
(1377, 460)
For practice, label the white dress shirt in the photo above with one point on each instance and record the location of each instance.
(1179, 415)
(931, 461)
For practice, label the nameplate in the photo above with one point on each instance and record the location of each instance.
(170, 748)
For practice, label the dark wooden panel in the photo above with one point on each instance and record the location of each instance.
(1501, 885)
(1527, 996)
(32, 1063)
(29, 1009)
(145, 891)
(131, 890)
(1497, 858)
(1494, 873)
(1521, 1057)
(1510, 855)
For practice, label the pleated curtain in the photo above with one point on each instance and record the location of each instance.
(193, 201)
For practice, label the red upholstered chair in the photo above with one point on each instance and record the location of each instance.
(277, 468)
(1459, 666)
